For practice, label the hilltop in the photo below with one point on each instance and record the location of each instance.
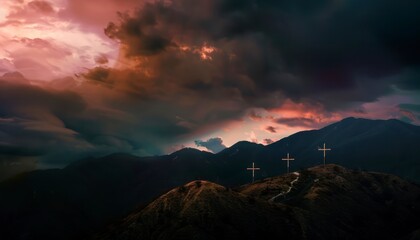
(325, 203)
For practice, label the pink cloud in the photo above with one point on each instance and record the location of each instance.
(96, 14)
(41, 6)
(37, 58)
(6, 65)
(31, 12)
(303, 115)
(32, 33)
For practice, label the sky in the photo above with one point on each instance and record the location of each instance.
(88, 78)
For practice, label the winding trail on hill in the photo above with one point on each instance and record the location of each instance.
(288, 190)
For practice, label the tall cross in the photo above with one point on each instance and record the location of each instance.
(288, 159)
(253, 171)
(325, 150)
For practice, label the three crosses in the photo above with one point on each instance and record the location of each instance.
(288, 158)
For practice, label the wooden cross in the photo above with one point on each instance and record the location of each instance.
(325, 150)
(288, 159)
(253, 171)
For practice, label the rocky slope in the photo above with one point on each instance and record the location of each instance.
(204, 210)
(317, 203)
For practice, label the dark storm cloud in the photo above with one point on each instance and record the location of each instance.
(306, 51)
(32, 126)
(214, 145)
(271, 129)
(139, 34)
(45, 127)
(27, 100)
(409, 79)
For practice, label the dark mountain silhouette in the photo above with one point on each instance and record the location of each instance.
(390, 146)
(324, 203)
(71, 202)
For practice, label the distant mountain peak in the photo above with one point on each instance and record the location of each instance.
(353, 121)
(187, 151)
(349, 119)
(242, 144)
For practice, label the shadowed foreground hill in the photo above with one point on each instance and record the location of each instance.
(344, 203)
(323, 203)
(205, 210)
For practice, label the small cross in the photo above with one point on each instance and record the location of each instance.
(253, 171)
(288, 159)
(325, 150)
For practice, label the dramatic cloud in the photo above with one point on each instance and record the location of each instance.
(95, 14)
(158, 74)
(30, 11)
(41, 43)
(49, 127)
(33, 131)
(319, 52)
(214, 145)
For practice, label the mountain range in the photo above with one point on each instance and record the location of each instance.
(78, 200)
